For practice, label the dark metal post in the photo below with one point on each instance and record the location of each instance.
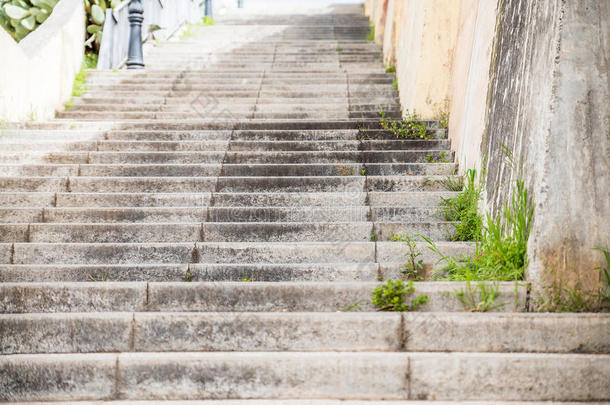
(240, 3)
(135, 59)
(208, 9)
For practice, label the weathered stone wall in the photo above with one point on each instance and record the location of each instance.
(531, 76)
(36, 75)
(548, 103)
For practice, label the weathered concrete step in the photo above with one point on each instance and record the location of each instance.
(256, 199)
(160, 146)
(367, 375)
(18, 273)
(217, 156)
(158, 232)
(332, 169)
(82, 184)
(341, 332)
(201, 102)
(26, 145)
(337, 156)
(301, 213)
(35, 199)
(168, 136)
(223, 114)
(229, 297)
(332, 184)
(219, 252)
(329, 145)
(115, 170)
(202, 124)
(297, 402)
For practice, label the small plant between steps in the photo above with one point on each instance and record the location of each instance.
(371, 35)
(392, 296)
(413, 269)
(481, 298)
(463, 209)
(79, 86)
(411, 126)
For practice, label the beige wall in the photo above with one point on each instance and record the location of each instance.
(420, 36)
(36, 75)
(442, 52)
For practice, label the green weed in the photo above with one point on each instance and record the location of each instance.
(410, 127)
(392, 296)
(481, 298)
(390, 69)
(414, 266)
(463, 209)
(442, 158)
(501, 251)
(371, 35)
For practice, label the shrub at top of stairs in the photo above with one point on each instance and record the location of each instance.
(21, 17)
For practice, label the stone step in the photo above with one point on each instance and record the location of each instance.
(297, 402)
(281, 375)
(116, 200)
(219, 214)
(336, 272)
(219, 252)
(202, 124)
(229, 157)
(303, 332)
(160, 232)
(81, 184)
(244, 296)
(200, 100)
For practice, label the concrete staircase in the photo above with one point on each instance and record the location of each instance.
(212, 228)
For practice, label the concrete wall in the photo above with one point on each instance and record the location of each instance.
(37, 74)
(548, 103)
(420, 36)
(529, 75)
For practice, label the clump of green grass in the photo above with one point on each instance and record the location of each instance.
(79, 86)
(392, 296)
(371, 35)
(390, 69)
(410, 127)
(501, 250)
(463, 209)
(481, 298)
(413, 269)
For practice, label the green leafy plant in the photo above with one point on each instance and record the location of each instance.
(481, 298)
(410, 127)
(605, 271)
(79, 86)
(501, 252)
(442, 158)
(395, 84)
(414, 266)
(371, 35)
(339, 49)
(463, 209)
(393, 295)
(390, 69)
(442, 114)
(21, 17)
